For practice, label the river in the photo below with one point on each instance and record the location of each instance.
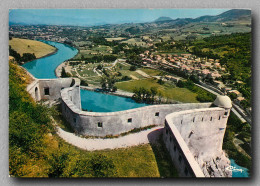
(44, 68)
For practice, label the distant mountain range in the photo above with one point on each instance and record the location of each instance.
(230, 15)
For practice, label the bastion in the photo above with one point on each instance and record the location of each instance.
(193, 132)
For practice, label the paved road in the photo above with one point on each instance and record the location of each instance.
(233, 108)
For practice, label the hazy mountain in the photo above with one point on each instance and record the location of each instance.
(163, 19)
(231, 15)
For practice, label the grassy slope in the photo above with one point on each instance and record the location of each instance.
(36, 151)
(152, 72)
(40, 49)
(175, 93)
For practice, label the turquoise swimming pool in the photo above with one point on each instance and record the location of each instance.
(99, 102)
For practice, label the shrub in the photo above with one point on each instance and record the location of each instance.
(160, 81)
(132, 68)
(83, 83)
(180, 84)
(101, 166)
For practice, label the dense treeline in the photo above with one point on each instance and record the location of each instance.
(237, 56)
(34, 150)
(202, 95)
(24, 58)
(99, 58)
(143, 95)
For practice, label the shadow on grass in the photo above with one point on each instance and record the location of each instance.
(165, 165)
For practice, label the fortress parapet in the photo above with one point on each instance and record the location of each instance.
(193, 132)
(195, 138)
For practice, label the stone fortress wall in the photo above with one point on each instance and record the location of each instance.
(194, 140)
(114, 123)
(48, 89)
(193, 132)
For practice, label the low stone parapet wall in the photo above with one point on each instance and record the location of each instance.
(114, 123)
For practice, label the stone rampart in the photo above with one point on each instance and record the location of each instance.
(194, 138)
(50, 89)
(114, 123)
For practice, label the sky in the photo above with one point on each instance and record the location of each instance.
(89, 17)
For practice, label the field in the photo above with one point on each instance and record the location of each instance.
(115, 39)
(152, 72)
(90, 52)
(168, 90)
(135, 41)
(31, 46)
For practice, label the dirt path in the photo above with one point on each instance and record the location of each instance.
(143, 137)
(133, 77)
(142, 73)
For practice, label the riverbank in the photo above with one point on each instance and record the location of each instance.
(44, 68)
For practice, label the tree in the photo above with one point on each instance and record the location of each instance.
(153, 93)
(63, 72)
(114, 89)
(194, 78)
(232, 95)
(83, 82)
(99, 67)
(132, 68)
(160, 81)
(180, 84)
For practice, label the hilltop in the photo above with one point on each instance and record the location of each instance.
(22, 46)
(231, 15)
(163, 19)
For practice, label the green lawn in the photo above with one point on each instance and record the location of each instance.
(40, 49)
(120, 66)
(129, 73)
(138, 161)
(115, 39)
(168, 90)
(135, 41)
(87, 72)
(152, 72)
(148, 160)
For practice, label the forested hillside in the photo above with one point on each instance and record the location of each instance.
(234, 51)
